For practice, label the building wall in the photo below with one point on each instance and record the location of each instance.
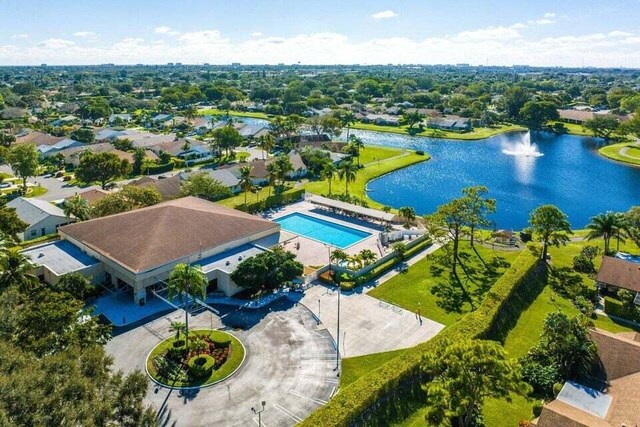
(140, 281)
(50, 224)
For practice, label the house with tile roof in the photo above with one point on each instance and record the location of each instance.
(43, 217)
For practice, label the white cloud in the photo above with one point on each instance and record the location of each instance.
(547, 18)
(385, 14)
(20, 36)
(256, 34)
(163, 29)
(88, 35)
(56, 44)
(501, 45)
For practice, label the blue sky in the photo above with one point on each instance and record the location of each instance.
(569, 33)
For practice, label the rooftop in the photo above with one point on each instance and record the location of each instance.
(619, 273)
(61, 257)
(228, 261)
(147, 238)
(32, 211)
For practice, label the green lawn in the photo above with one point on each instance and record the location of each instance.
(413, 289)
(216, 112)
(477, 133)
(262, 194)
(574, 129)
(355, 367)
(632, 156)
(374, 153)
(371, 171)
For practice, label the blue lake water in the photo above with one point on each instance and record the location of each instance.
(570, 175)
(323, 231)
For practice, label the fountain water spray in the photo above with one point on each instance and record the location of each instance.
(522, 148)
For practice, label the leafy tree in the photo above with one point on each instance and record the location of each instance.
(186, 283)
(10, 222)
(23, 160)
(77, 207)
(6, 139)
(479, 207)
(95, 108)
(411, 119)
(631, 221)
(245, 182)
(452, 216)
(102, 167)
(602, 126)
(461, 375)
(537, 113)
(16, 270)
(83, 135)
(204, 186)
(583, 262)
(138, 159)
(347, 172)
(606, 226)
(123, 144)
(128, 198)
(513, 100)
(551, 225)
(409, 215)
(267, 271)
(76, 285)
(178, 328)
(566, 346)
(227, 138)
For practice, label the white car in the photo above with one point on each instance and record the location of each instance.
(4, 185)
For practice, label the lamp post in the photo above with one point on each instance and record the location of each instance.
(259, 412)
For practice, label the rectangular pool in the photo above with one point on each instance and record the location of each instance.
(323, 231)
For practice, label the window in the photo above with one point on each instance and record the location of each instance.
(33, 232)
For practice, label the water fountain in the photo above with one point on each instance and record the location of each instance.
(523, 148)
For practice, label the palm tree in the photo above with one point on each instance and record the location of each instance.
(358, 145)
(17, 270)
(409, 215)
(177, 327)
(284, 166)
(245, 181)
(77, 207)
(606, 226)
(347, 171)
(338, 255)
(328, 172)
(186, 283)
(272, 175)
(347, 119)
(266, 143)
(190, 113)
(367, 256)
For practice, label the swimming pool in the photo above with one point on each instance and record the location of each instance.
(323, 231)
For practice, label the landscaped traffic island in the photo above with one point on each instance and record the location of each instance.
(212, 357)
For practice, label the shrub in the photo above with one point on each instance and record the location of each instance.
(618, 308)
(537, 408)
(420, 152)
(201, 365)
(557, 387)
(221, 344)
(178, 343)
(273, 201)
(157, 169)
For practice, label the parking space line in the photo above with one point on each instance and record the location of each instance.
(288, 413)
(313, 399)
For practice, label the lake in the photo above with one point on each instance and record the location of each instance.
(570, 175)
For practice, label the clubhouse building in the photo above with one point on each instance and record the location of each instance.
(137, 250)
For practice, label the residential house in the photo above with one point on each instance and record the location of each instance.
(119, 118)
(580, 116)
(169, 188)
(186, 230)
(37, 138)
(72, 154)
(224, 176)
(449, 122)
(43, 217)
(66, 143)
(107, 134)
(161, 118)
(619, 274)
(91, 196)
(65, 121)
(609, 398)
(187, 149)
(381, 119)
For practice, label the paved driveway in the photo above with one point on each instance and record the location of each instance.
(368, 325)
(289, 364)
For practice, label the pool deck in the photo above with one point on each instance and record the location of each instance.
(313, 252)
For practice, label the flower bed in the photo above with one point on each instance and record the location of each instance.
(212, 356)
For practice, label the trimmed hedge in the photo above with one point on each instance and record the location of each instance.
(201, 365)
(617, 308)
(374, 398)
(154, 170)
(273, 201)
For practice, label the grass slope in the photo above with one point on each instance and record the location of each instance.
(632, 155)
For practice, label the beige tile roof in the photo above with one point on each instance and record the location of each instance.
(619, 273)
(150, 237)
(169, 188)
(91, 196)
